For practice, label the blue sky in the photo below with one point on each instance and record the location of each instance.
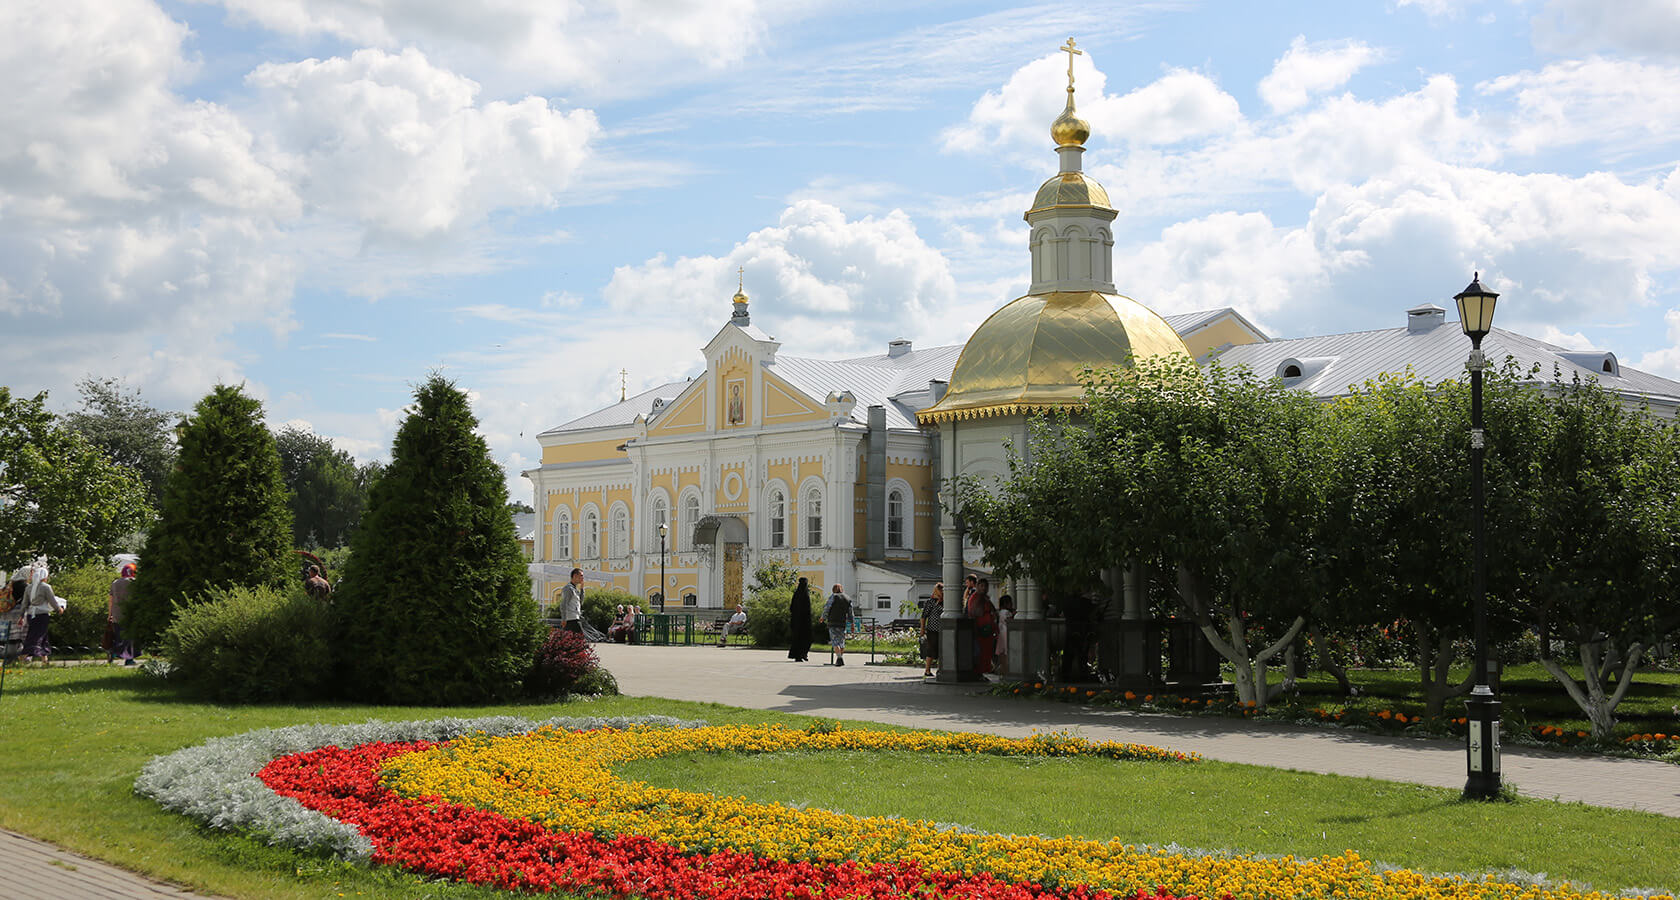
(328, 199)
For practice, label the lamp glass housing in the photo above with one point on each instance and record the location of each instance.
(1475, 309)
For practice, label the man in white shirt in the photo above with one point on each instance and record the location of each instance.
(571, 603)
(737, 624)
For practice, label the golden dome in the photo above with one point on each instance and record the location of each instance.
(1069, 189)
(740, 296)
(1027, 357)
(1069, 130)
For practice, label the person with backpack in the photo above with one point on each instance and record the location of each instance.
(837, 613)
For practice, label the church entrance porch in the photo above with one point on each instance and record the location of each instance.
(734, 557)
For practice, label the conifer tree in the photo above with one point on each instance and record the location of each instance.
(225, 521)
(435, 605)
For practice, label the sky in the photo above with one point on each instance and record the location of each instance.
(328, 200)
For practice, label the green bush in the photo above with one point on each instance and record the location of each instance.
(767, 603)
(600, 605)
(596, 682)
(251, 645)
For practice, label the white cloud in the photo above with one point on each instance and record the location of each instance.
(822, 283)
(1620, 102)
(1639, 26)
(1307, 70)
(402, 146)
(599, 48)
(1231, 259)
(1178, 106)
(1665, 361)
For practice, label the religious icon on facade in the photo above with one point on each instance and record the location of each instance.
(737, 411)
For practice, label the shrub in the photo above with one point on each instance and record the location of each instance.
(225, 520)
(251, 645)
(601, 604)
(767, 603)
(435, 604)
(597, 682)
(563, 660)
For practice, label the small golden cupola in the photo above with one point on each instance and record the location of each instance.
(1027, 357)
(739, 315)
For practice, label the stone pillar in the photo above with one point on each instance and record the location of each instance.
(1029, 636)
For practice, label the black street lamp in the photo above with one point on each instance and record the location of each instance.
(1475, 315)
(661, 566)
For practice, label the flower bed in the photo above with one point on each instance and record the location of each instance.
(518, 806)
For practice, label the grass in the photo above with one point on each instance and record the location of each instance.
(1209, 806)
(75, 738)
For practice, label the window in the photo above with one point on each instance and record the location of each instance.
(691, 600)
(811, 513)
(619, 535)
(562, 537)
(778, 519)
(591, 535)
(690, 520)
(661, 517)
(895, 519)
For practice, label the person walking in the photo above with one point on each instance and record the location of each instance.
(41, 604)
(571, 604)
(116, 603)
(932, 608)
(799, 622)
(837, 614)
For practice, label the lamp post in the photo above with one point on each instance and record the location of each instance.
(1475, 315)
(661, 566)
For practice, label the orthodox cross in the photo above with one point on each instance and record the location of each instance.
(1068, 48)
(623, 374)
(741, 280)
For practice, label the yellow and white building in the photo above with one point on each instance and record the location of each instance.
(834, 466)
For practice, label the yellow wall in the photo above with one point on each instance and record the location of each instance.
(687, 415)
(1225, 330)
(785, 404)
(583, 451)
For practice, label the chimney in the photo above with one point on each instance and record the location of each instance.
(897, 348)
(1427, 317)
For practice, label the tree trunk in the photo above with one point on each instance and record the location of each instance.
(1435, 659)
(1250, 671)
(1329, 665)
(1590, 693)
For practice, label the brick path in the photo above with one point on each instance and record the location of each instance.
(32, 870)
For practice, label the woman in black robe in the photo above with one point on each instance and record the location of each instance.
(799, 622)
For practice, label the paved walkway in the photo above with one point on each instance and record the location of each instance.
(762, 679)
(33, 870)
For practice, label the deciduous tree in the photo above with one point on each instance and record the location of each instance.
(59, 495)
(131, 432)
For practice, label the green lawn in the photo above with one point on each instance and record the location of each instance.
(74, 739)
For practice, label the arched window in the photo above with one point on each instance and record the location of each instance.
(661, 517)
(690, 520)
(591, 535)
(895, 519)
(810, 512)
(561, 538)
(619, 535)
(778, 518)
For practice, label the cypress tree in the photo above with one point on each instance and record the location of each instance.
(435, 604)
(225, 521)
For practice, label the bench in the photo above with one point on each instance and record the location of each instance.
(720, 627)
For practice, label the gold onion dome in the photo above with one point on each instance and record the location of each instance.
(1069, 130)
(1070, 189)
(1027, 357)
